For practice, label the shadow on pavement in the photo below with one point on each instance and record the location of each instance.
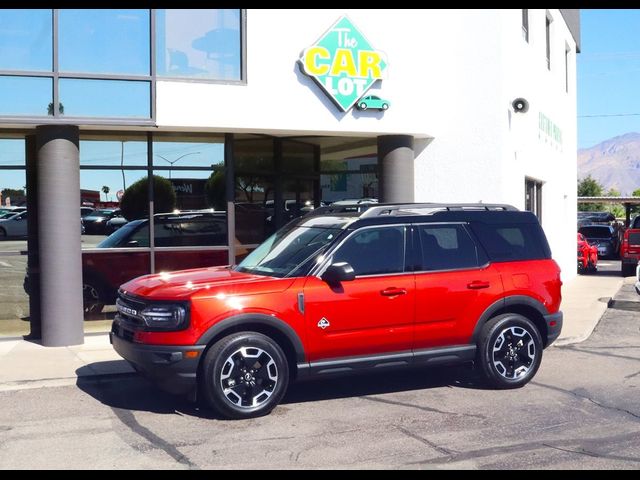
(130, 391)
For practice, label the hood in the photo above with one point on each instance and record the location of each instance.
(210, 281)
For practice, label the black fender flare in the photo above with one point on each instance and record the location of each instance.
(504, 303)
(256, 318)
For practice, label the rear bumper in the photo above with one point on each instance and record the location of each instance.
(554, 327)
(165, 365)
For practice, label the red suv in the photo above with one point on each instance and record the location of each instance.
(630, 248)
(346, 289)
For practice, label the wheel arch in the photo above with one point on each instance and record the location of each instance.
(281, 332)
(528, 307)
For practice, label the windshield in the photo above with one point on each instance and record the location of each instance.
(595, 232)
(102, 213)
(120, 236)
(288, 251)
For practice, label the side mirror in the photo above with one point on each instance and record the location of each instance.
(339, 272)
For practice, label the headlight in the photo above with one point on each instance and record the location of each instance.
(165, 317)
(99, 220)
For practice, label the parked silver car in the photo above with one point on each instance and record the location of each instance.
(13, 226)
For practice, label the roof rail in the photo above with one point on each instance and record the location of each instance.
(343, 208)
(431, 208)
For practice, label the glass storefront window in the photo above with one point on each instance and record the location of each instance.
(254, 208)
(114, 151)
(104, 41)
(188, 152)
(26, 39)
(105, 98)
(198, 44)
(298, 158)
(353, 178)
(14, 301)
(26, 96)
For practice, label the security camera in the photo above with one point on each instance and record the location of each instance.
(520, 105)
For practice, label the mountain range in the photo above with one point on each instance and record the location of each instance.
(614, 163)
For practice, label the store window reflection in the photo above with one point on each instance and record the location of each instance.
(26, 39)
(14, 301)
(198, 43)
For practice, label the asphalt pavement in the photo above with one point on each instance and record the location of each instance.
(581, 411)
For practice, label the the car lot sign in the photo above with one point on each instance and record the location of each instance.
(344, 63)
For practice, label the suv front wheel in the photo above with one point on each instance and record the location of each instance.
(244, 375)
(509, 351)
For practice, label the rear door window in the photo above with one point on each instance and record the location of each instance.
(446, 247)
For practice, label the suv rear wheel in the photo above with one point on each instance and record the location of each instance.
(509, 351)
(244, 375)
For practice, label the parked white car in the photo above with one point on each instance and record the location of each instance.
(13, 226)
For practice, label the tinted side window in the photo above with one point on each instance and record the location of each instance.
(194, 231)
(374, 251)
(514, 241)
(446, 247)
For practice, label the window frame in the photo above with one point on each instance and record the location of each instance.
(525, 24)
(55, 75)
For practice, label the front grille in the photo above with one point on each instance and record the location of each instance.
(129, 310)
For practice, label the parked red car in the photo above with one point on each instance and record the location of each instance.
(345, 291)
(587, 255)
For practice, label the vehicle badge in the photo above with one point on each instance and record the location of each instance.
(323, 323)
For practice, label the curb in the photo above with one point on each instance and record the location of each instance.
(581, 338)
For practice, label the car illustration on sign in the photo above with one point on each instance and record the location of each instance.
(372, 101)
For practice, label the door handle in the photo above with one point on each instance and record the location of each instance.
(392, 292)
(477, 285)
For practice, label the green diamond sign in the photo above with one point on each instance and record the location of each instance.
(343, 63)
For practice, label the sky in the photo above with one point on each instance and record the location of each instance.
(608, 75)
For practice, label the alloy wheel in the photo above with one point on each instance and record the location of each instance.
(248, 378)
(514, 353)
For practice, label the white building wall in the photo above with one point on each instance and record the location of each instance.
(452, 76)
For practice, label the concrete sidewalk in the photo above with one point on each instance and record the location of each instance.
(26, 364)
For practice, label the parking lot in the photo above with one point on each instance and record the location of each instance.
(581, 411)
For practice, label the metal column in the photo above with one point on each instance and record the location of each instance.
(395, 157)
(60, 250)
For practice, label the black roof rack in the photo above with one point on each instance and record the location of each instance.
(431, 208)
(368, 210)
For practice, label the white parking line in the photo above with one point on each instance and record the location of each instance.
(4, 264)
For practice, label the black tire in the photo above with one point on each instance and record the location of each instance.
(628, 269)
(509, 351)
(92, 298)
(236, 385)
(385, 106)
(3, 234)
(363, 106)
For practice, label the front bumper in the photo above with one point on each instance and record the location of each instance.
(165, 365)
(554, 326)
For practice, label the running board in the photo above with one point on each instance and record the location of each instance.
(425, 357)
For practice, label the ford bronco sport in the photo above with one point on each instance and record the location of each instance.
(345, 289)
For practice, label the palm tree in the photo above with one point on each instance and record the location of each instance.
(105, 190)
(50, 108)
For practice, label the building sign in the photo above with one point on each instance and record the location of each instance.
(343, 63)
(549, 130)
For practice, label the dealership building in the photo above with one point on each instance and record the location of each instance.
(263, 115)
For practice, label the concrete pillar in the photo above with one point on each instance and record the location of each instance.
(396, 156)
(59, 235)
